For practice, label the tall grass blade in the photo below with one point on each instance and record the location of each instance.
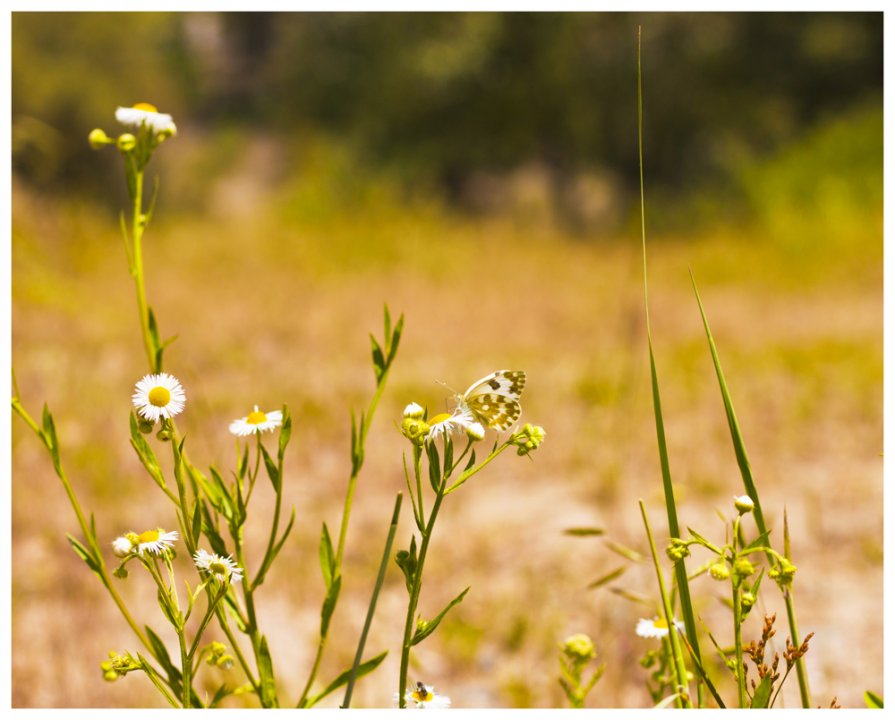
(680, 567)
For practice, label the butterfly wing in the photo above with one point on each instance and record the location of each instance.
(494, 400)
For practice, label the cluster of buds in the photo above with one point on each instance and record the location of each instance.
(783, 572)
(528, 438)
(218, 656)
(118, 666)
(677, 550)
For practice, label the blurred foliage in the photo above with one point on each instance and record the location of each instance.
(452, 103)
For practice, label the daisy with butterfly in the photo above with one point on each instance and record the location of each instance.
(489, 403)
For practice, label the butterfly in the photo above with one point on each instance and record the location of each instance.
(494, 400)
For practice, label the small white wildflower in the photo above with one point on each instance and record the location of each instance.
(256, 422)
(222, 568)
(154, 542)
(445, 424)
(148, 115)
(655, 628)
(424, 697)
(159, 396)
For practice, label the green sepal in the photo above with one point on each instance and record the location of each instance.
(329, 604)
(422, 634)
(762, 695)
(365, 668)
(265, 673)
(327, 557)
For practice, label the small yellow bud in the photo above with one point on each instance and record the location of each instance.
(415, 430)
(742, 568)
(719, 571)
(126, 142)
(747, 600)
(98, 139)
(744, 504)
(579, 647)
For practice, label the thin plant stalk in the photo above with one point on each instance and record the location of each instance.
(680, 668)
(380, 578)
(415, 593)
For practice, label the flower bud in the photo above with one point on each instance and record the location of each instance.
(126, 142)
(742, 568)
(747, 600)
(122, 547)
(475, 431)
(415, 430)
(414, 411)
(783, 573)
(98, 139)
(677, 550)
(579, 647)
(744, 504)
(146, 426)
(719, 571)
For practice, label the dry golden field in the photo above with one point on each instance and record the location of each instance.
(274, 307)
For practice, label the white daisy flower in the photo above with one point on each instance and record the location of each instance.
(159, 396)
(154, 542)
(222, 568)
(656, 628)
(148, 115)
(424, 697)
(256, 422)
(460, 421)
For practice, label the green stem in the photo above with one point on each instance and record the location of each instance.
(138, 224)
(472, 471)
(415, 595)
(225, 626)
(186, 669)
(383, 566)
(738, 644)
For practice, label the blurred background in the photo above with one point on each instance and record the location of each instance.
(478, 172)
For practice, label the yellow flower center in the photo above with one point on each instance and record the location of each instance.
(438, 418)
(148, 536)
(218, 568)
(421, 695)
(256, 417)
(159, 396)
(660, 624)
(146, 106)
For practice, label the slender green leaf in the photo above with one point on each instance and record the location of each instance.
(265, 673)
(272, 471)
(424, 632)
(219, 694)
(873, 701)
(625, 552)
(608, 578)
(762, 695)
(83, 553)
(285, 432)
(160, 652)
(327, 557)
(584, 531)
(364, 668)
(329, 604)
